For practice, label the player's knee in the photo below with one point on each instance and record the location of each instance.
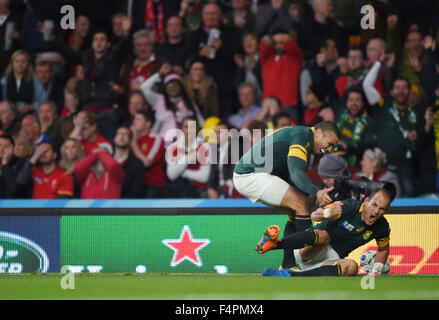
(324, 237)
(296, 201)
(349, 268)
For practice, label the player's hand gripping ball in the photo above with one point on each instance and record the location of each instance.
(367, 260)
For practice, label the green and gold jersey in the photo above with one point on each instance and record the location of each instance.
(349, 232)
(284, 153)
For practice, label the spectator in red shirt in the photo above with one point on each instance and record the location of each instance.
(281, 60)
(49, 180)
(100, 176)
(355, 74)
(149, 148)
(143, 64)
(85, 130)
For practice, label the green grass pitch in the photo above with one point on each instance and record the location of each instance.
(215, 287)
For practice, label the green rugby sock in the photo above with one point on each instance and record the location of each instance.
(288, 260)
(299, 240)
(303, 223)
(320, 271)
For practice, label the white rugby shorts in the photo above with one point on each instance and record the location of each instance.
(325, 255)
(261, 187)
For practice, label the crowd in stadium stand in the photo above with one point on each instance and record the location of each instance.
(85, 112)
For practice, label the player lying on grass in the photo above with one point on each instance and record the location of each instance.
(346, 225)
(273, 172)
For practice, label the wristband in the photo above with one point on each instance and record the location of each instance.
(327, 213)
(377, 267)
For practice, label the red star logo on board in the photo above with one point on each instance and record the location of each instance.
(186, 248)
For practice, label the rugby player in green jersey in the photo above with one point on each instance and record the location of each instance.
(346, 225)
(273, 172)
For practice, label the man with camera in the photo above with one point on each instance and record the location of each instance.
(345, 226)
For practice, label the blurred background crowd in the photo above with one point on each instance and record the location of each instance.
(84, 112)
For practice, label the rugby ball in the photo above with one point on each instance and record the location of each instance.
(367, 260)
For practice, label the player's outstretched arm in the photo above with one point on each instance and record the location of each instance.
(331, 212)
(380, 260)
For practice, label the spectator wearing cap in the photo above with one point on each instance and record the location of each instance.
(48, 180)
(374, 167)
(172, 105)
(330, 167)
(10, 124)
(10, 166)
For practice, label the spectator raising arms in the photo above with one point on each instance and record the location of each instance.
(99, 176)
(173, 105)
(281, 60)
(149, 148)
